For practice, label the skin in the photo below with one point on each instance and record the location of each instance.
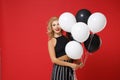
(51, 44)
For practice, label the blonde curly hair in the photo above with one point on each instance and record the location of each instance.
(50, 32)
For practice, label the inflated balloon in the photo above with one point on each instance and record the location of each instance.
(80, 32)
(83, 15)
(93, 43)
(66, 21)
(97, 22)
(74, 50)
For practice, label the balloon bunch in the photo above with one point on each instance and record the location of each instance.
(82, 28)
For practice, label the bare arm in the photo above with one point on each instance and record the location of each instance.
(53, 56)
(79, 62)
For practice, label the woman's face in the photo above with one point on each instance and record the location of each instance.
(55, 26)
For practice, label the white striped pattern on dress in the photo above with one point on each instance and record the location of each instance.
(62, 72)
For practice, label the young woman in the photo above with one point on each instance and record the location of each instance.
(63, 66)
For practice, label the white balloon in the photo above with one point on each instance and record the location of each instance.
(66, 21)
(97, 22)
(74, 50)
(80, 32)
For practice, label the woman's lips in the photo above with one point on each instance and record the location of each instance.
(57, 29)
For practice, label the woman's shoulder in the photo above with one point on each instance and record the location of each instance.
(52, 41)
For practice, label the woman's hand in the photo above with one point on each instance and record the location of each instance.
(74, 66)
(81, 65)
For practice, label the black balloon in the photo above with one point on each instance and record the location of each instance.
(93, 43)
(83, 15)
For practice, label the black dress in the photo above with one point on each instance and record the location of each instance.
(62, 72)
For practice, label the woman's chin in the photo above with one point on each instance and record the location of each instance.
(57, 32)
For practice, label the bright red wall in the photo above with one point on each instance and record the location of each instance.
(24, 39)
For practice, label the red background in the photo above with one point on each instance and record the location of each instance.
(23, 39)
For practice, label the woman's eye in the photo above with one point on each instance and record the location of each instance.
(53, 25)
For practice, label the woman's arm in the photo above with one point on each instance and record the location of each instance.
(79, 62)
(55, 60)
